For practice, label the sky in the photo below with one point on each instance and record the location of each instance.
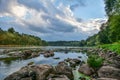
(53, 20)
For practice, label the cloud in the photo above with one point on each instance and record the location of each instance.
(44, 19)
(77, 3)
(11, 7)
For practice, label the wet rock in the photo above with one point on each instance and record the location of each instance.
(79, 56)
(21, 74)
(43, 72)
(77, 61)
(56, 58)
(34, 54)
(30, 63)
(63, 68)
(48, 54)
(27, 53)
(109, 72)
(85, 69)
(38, 72)
(73, 62)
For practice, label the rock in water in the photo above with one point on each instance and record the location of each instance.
(38, 72)
(109, 72)
(63, 68)
(43, 72)
(85, 69)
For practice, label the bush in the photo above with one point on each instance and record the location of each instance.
(95, 61)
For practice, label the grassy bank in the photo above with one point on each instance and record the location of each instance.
(113, 47)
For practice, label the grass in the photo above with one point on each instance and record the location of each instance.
(8, 58)
(113, 47)
(95, 61)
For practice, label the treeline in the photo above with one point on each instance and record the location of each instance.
(11, 37)
(110, 31)
(65, 43)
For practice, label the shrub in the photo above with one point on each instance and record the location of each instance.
(95, 61)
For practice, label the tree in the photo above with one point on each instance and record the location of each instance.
(11, 30)
(1, 30)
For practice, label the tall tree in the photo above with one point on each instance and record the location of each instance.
(11, 30)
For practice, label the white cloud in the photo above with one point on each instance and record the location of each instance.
(43, 18)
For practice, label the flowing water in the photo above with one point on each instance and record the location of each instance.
(10, 67)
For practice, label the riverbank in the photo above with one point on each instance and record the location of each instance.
(106, 66)
(115, 47)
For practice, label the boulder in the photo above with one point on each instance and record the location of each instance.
(23, 74)
(34, 54)
(85, 69)
(43, 72)
(73, 62)
(48, 54)
(56, 58)
(109, 72)
(63, 68)
(38, 72)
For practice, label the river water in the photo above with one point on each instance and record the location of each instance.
(8, 68)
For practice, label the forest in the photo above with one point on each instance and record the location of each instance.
(11, 37)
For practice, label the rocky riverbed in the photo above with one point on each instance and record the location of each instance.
(65, 65)
(60, 64)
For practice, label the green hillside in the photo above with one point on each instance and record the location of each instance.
(11, 37)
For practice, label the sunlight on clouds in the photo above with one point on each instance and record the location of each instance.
(19, 11)
(45, 19)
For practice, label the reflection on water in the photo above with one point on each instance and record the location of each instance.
(8, 68)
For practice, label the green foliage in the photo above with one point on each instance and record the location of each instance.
(65, 43)
(11, 37)
(112, 7)
(11, 30)
(95, 61)
(114, 32)
(8, 58)
(113, 47)
(113, 12)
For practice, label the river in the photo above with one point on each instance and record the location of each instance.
(10, 67)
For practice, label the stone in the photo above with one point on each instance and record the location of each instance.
(85, 69)
(63, 68)
(109, 72)
(38, 72)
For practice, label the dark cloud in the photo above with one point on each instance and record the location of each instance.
(73, 7)
(5, 6)
(40, 29)
(34, 4)
(78, 3)
(61, 26)
(55, 25)
(58, 25)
